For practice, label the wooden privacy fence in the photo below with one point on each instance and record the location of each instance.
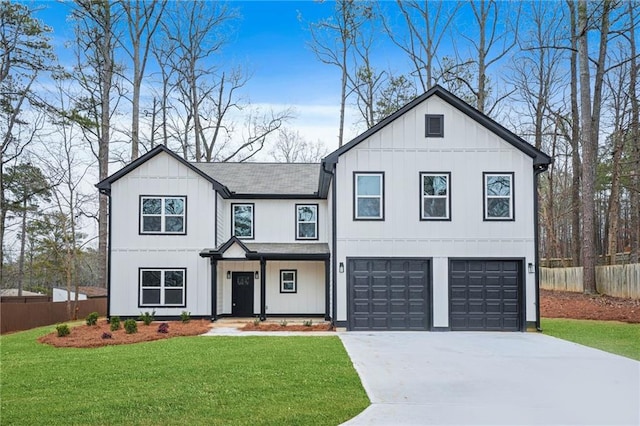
(23, 316)
(615, 280)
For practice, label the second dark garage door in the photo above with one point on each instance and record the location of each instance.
(388, 294)
(485, 295)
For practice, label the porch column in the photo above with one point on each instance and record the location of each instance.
(263, 289)
(327, 284)
(214, 289)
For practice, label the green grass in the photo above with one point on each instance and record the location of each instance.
(610, 336)
(185, 380)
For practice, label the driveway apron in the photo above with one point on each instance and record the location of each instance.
(462, 378)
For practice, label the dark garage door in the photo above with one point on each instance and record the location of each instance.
(388, 294)
(485, 295)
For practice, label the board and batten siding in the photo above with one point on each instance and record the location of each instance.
(402, 151)
(309, 298)
(163, 176)
(274, 220)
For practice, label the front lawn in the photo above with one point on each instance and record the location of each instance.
(184, 380)
(615, 337)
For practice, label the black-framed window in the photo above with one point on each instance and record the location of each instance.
(163, 287)
(163, 214)
(368, 194)
(242, 221)
(498, 196)
(434, 125)
(288, 281)
(435, 196)
(306, 221)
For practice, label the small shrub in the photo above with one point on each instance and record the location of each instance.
(106, 335)
(163, 328)
(185, 317)
(256, 321)
(115, 323)
(92, 318)
(130, 326)
(63, 330)
(283, 323)
(307, 323)
(147, 318)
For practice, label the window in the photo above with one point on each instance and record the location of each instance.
(306, 221)
(163, 215)
(242, 221)
(288, 281)
(435, 196)
(369, 196)
(162, 287)
(498, 196)
(434, 125)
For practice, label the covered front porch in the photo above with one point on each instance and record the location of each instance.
(267, 280)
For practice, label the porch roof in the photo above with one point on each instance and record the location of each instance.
(274, 251)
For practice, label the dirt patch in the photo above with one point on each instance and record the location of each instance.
(564, 304)
(250, 326)
(86, 336)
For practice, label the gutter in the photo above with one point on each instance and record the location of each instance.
(536, 238)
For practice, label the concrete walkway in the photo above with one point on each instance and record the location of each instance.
(491, 379)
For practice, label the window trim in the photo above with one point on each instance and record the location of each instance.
(253, 221)
(162, 287)
(422, 197)
(427, 128)
(297, 223)
(162, 215)
(485, 197)
(295, 281)
(355, 196)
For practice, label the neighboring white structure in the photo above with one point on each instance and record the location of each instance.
(426, 221)
(60, 295)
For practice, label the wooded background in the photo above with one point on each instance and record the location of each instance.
(562, 75)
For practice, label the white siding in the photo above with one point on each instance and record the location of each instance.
(161, 175)
(275, 220)
(401, 151)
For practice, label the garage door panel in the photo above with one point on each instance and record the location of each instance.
(395, 290)
(485, 294)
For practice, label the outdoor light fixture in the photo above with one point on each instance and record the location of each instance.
(530, 267)
(228, 275)
(256, 276)
(341, 268)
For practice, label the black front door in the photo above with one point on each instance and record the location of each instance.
(242, 294)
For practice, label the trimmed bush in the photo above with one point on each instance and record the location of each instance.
(185, 316)
(92, 318)
(130, 326)
(114, 323)
(147, 318)
(63, 330)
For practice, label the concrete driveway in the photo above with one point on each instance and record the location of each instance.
(491, 379)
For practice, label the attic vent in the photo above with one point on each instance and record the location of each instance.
(434, 125)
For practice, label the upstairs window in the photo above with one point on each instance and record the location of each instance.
(368, 196)
(435, 196)
(306, 221)
(162, 287)
(242, 221)
(498, 196)
(434, 125)
(163, 215)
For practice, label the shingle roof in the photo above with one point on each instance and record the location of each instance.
(265, 178)
(289, 248)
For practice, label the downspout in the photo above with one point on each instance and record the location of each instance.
(334, 246)
(263, 289)
(107, 192)
(536, 238)
(214, 289)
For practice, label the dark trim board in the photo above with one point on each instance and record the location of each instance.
(272, 315)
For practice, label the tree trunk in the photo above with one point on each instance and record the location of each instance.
(634, 193)
(576, 249)
(23, 242)
(613, 212)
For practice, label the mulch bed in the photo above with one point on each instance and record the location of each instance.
(90, 336)
(564, 304)
(250, 326)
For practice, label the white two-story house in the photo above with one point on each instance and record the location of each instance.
(426, 221)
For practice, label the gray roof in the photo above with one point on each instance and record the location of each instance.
(289, 248)
(265, 178)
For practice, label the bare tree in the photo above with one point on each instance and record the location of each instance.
(142, 18)
(425, 26)
(292, 147)
(634, 192)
